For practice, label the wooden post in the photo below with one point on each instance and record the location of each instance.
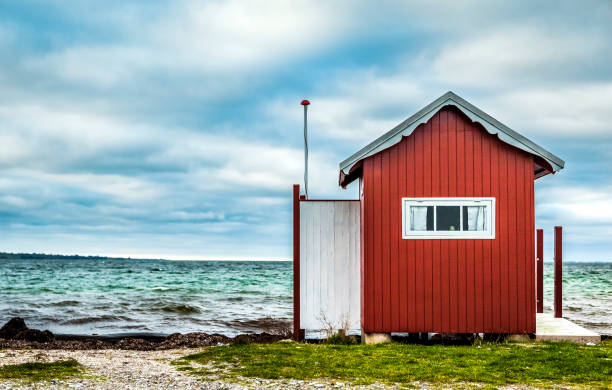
(298, 334)
(540, 271)
(558, 272)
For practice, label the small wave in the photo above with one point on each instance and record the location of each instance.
(235, 299)
(264, 324)
(177, 308)
(161, 288)
(65, 303)
(89, 320)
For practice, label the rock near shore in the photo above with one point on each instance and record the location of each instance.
(16, 329)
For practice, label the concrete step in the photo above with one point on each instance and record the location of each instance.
(549, 328)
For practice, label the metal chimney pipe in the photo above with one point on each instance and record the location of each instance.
(305, 103)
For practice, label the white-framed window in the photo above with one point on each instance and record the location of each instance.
(451, 218)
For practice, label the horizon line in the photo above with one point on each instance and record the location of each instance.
(214, 258)
(158, 257)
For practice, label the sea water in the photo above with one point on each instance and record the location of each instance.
(229, 297)
(150, 296)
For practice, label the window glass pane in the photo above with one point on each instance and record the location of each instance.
(447, 218)
(421, 218)
(474, 218)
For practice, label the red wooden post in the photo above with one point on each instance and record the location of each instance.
(298, 334)
(540, 271)
(558, 272)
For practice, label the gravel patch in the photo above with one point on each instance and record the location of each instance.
(109, 369)
(128, 369)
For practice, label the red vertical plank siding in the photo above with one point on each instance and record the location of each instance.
(385, 247)
(442, 263)
(532, 324)
(419, 272)
(393, 244)
(448, 285)
(365, 198)
(366, 264)
(400, 255)
(558, 290)
(520, 246)
(494, 259)
(375, 214)
(530, 188)
(529, 263)
(451, 268)
(468, 255)
(486, 244)
(402, 260)
(362, 233)
(371, 266)
(531, 260)
(478, 267)
(296, 262)
(502, 221)
(430, 128)
(436, 154)
(380, 217)
(460, 275)
(512, 263)
(411, 245)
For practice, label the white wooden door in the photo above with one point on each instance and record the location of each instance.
(330, 279)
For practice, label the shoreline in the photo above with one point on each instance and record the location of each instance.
(140, 342)
(15, 334)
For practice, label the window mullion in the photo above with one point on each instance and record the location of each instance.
(435, 218)
(461, 218)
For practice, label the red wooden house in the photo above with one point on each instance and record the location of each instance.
(446, 225)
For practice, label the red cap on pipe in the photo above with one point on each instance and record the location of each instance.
(305, 103)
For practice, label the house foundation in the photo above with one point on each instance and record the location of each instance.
(375, 338)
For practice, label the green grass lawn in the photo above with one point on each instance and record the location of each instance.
(491, 364)
(61, 369)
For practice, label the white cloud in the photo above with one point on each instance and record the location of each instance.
(122, 188)
(355, 107)
(231, 39)
(579, 204)
(13, 148)
(14, 201)
(530, 53)
(191, 216)
(578, 110)
(116, 132)
(101, 66)
(224, 36)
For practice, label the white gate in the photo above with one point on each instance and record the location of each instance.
(330, 278)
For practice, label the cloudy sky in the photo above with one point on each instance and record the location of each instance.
(173, 128)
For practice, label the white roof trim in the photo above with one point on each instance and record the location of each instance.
(492, 126)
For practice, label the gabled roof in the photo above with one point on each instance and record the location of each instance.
(492, 125)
